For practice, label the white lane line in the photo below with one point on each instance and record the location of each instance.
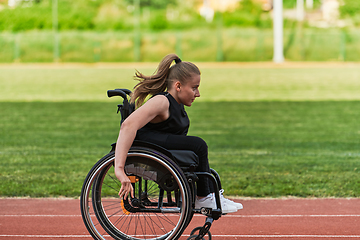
(46, 236)
(219, 236)
(37, 215)
(227, 216)
(287, 236)
(295, 215)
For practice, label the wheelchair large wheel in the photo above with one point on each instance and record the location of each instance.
(161, 208)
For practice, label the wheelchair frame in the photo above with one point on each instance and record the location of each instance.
(165, 192)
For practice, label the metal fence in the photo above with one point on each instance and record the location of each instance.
(231, 44)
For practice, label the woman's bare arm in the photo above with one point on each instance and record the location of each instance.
(156, 107)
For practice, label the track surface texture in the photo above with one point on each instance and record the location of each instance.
(283, 218)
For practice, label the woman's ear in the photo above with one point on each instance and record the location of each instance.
(177, 85)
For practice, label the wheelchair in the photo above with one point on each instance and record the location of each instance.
(164, 183)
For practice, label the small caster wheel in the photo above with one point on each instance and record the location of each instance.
(196, 231)
(193, 237)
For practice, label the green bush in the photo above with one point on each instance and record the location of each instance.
(188, 19)
(71, 15)
(248, 14)
(350, 8)
(76, 15)
(113, 17)
(239, 18)
(158, 21)
(25, 18)
(119, 15)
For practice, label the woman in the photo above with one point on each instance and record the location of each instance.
(162, 120)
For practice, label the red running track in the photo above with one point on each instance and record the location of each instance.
(289, 218)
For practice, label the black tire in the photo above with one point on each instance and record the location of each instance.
(161, 210)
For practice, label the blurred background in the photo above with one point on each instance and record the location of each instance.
(197, 30)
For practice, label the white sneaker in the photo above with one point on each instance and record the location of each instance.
(206, 202)
(238, 206)
(209, 202)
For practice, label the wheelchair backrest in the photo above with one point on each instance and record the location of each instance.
(126, 108)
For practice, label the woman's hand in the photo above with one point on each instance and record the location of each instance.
(126, 186)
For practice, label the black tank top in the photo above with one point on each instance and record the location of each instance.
(177, 123)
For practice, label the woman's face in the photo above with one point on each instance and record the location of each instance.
(188, 92)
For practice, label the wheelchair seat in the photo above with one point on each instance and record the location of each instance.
(186, 159)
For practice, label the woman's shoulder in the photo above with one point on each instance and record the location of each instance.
(159, 100)
(162, 96)
(157, 107)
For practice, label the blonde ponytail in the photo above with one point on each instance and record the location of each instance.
(161, 79)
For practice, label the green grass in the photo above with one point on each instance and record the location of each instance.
(283, 148)
(233, 82)
(47, 148)
(280, 132)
